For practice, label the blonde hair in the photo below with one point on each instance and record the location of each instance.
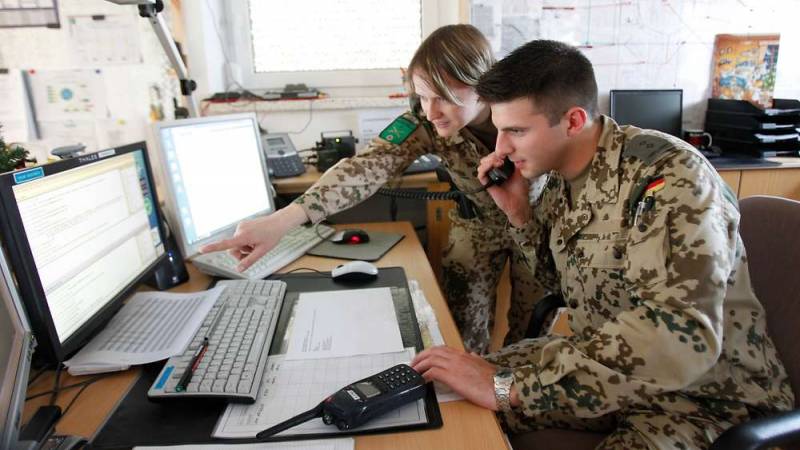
(452, 52)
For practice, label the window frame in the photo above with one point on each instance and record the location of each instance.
(239, 34)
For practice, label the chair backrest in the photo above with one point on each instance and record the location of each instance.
(770, 229)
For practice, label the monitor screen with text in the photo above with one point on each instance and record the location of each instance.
(89, 232)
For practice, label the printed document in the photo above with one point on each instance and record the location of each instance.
(152, 326)
(292, 387)
(331, 324)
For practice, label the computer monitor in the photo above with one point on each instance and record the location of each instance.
(654, 109)
(16, 348)
(215, 176)
(81, 234)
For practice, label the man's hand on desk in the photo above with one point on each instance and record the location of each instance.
(254, 238)
(466, 373)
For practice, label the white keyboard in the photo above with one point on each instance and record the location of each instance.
(292, 246)
(239, 329)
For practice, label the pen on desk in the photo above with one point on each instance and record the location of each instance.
(187, 374)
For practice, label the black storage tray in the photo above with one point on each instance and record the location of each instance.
(780, 107)
(721, 119)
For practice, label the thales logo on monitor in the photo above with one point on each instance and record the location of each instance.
(88, 158)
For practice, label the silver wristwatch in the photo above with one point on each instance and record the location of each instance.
(503, 379)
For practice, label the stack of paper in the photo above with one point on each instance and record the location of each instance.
(152, 326)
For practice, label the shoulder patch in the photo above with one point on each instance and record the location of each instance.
(400, 129)
(647, 147)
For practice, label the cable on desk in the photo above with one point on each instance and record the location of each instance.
(319, 235)
(64, 388)
(393, 209)
(56, 385)
(72, 402)
(300, 268)
(36, 376)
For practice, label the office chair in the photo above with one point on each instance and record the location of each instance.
(769, 228)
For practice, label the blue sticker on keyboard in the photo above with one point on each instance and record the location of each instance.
(164, 377)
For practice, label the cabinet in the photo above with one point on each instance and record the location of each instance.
(777, 182)
(780, 181)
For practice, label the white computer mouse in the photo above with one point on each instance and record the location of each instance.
(354, 271)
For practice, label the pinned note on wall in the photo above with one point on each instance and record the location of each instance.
(16, 117)
(68, 94)
(100, 40)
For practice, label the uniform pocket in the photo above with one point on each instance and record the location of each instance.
(600, 253)
(647, 253)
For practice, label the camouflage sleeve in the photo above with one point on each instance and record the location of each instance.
(532, 238)
(677, 269)
(353, 180)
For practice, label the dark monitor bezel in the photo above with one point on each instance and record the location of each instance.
(614, 92)
(49, 347)
(19, 359)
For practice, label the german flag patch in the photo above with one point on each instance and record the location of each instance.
(654, 186)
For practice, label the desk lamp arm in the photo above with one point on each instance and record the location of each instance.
(149, 9)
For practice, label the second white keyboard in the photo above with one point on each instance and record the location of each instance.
(292, 246)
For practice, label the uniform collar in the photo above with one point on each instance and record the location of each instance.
(602, 186)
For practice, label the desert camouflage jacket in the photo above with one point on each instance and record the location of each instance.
(655, 276)
(355, 179)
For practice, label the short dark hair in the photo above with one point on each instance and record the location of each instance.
(555, 75)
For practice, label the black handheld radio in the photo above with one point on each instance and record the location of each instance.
(359, 402)
(499, 175)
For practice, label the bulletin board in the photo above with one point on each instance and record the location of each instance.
(647, 44)
(98, 80)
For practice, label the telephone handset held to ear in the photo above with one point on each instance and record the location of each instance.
(499, 175)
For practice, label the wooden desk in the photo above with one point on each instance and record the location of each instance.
(299, 184)
(466, 426)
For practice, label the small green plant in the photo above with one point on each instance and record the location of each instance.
(12, 156)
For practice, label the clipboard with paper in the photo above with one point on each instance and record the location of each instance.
(316, 363)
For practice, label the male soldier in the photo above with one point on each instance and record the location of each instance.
(644, 236)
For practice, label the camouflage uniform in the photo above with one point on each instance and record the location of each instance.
(670, 344)
(477, 248)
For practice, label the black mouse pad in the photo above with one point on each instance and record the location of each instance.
(379, 243)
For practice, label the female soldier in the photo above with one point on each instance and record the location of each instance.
(455, 125)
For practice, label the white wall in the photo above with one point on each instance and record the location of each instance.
(126, 87)
(649, 44)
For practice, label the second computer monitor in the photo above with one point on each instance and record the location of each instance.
(215, 175)
(654, 109)
(16, 344)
